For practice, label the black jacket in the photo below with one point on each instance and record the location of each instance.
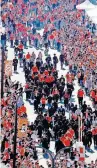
(15, 62)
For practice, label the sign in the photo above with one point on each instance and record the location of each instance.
(22, 127)
(8, 68)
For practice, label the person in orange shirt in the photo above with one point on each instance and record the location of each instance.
(7, 145)
(22, 151)
(20, 47)
(92, 94)
(43, 101)
(46, 73)
(28, 56)
(35, 69)
(47, 80)
(94, 134)
(41, 78)
(80, 96)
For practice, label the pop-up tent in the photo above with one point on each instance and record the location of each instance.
(92, 12)
(85, 5)
(94, 19)
(90, 8)
(93, 2)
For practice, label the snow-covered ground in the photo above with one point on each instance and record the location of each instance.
(30, 111)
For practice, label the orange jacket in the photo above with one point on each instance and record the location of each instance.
(92, 94)
(28, 56)
(34, 69)
(3, 102)
(22, 151)
(94, 131)
(49, 119)
(48, 80)
(46, 73)
(41, 78)
(7, 144)
(80, 93)
(20, 46)
(52, 78)
(43, 100)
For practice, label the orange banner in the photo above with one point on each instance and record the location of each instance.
(22, 127)
(67, 137)
(8, 68)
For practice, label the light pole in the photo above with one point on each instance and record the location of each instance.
(15, 133)
(2, 72)
(15, 130)
(15, 138)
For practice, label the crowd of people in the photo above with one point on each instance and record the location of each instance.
(26, 152)
(72, 34)
(68, 159)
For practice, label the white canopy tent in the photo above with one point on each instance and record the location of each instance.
(91, 10)
(85, 5)
(94, 19)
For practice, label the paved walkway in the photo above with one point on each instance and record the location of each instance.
(30, 110)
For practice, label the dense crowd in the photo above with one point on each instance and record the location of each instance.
(72, 34)
(68, 159)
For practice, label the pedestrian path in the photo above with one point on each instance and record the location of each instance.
(30, 110)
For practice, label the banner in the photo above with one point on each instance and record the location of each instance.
(67, 137)
(8, 68)
(22, 127)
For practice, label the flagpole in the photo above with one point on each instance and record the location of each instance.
(81, 126)
(15, 131)
(2, 72)
(15, 138)
(78, 128)
(15, 134)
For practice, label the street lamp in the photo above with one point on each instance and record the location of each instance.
(15, 132)
(2, 72)
(15, 138)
